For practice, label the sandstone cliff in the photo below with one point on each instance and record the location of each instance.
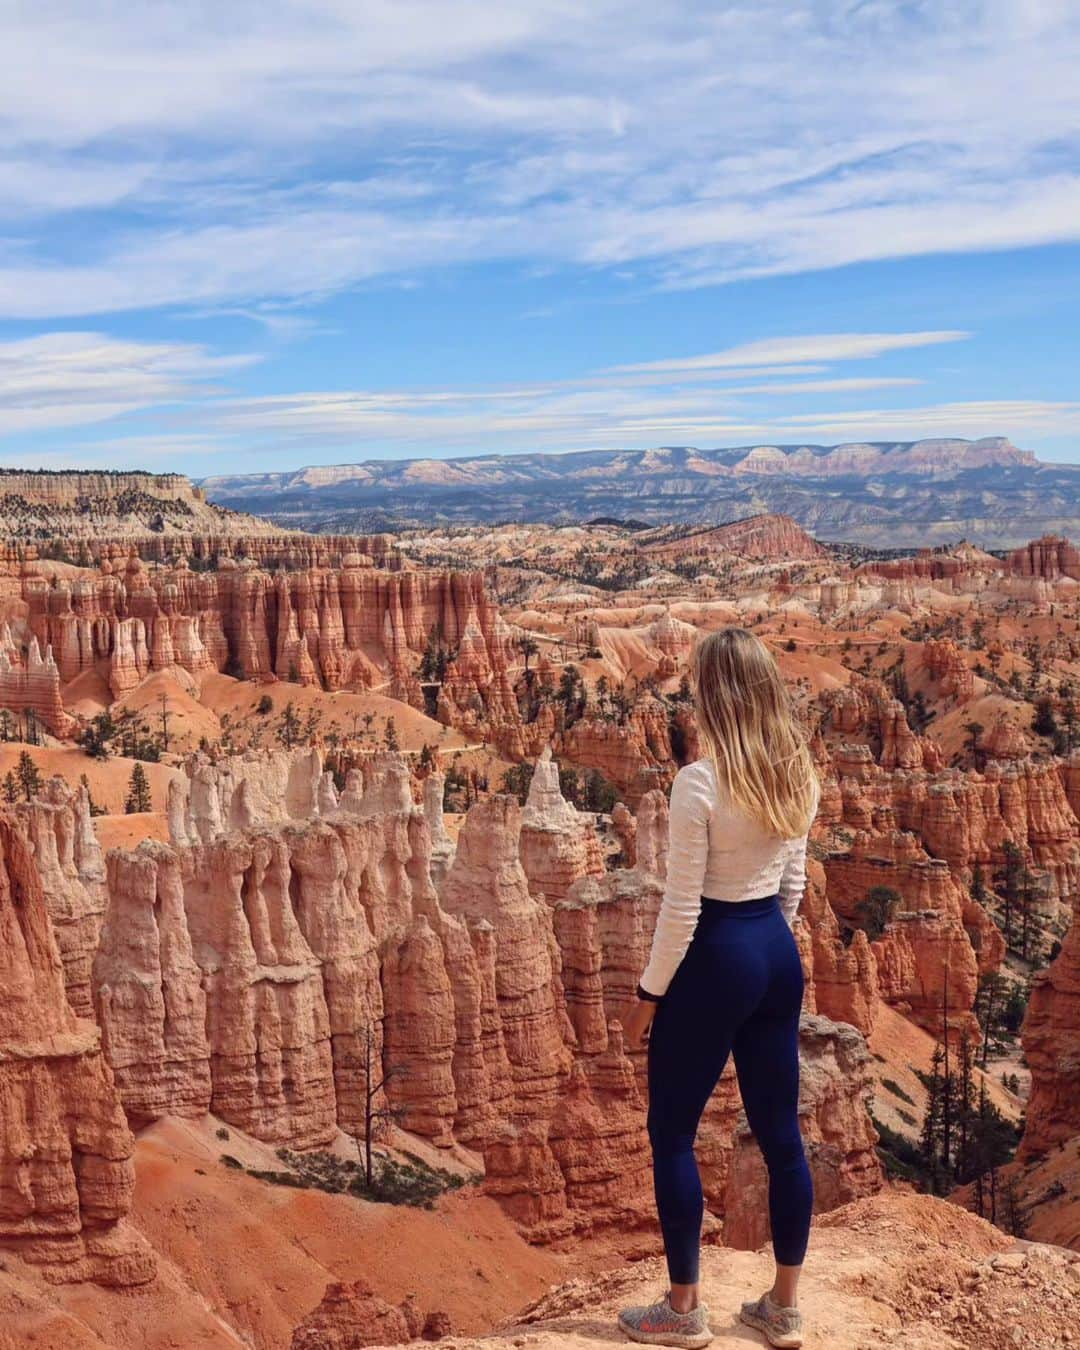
(1051, 1038)
(65, 1149)
(72, 870)
(266, 963)
(92, 506)
(349, 624)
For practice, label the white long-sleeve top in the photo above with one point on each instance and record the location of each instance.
(715, 850)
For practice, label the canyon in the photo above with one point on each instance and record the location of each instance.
(394, 881)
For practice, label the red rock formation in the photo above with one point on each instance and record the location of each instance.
(968, 818)
(66, 1174)
(421, 1033)
(926, 961)
(625, 828)
(330, 625)
(1070, 780)
(68, 858)
(840, 1140)
(674, 640)
(1051, 1039)
(558, 844)
(634, 755)
(603, 1153)
(351, 1316)
(768, 537)
(577, 928)
(265, 787)
(842, 980)
(944, 662)
(1004, 740)
(329, 874)
(30, 684)
(323, 952)
(900, 747)
(487, 881)
(267, 1021)
(148, 988)
(522, 1174)
(926, 566)
(1049, 558)
(442, 846)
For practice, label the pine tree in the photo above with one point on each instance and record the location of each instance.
(1027, 902)
(974, 731)
(988, 1003)
(1011, 883)
(965, 1105)
(138, 797)
(10, 788)
(28, 775)
(288, 733)
(528, 647)
(947, 1099)
(930, 1139)
(1014, 1219)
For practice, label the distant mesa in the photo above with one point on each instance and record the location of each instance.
(75, 505)
(897, 494)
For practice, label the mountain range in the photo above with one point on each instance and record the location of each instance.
(895, 494)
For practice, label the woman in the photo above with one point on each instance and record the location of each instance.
(724, 976)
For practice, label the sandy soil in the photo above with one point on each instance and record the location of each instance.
(895, 1270)
(341, 710)
(108, 778)
(949, 728)
(1050, 1195)
(186, 718)
(243, 1261)
(129, 831)
(898, 1049)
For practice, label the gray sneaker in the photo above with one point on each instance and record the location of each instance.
(660, 1324)
(782, 1326)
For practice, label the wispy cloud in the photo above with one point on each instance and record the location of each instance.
(788, 351)
(184, 411)
(191, 157)
(75, 379)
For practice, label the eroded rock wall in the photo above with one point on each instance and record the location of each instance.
(66, 1174)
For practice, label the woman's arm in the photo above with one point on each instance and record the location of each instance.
(688, 853)
(793, 879)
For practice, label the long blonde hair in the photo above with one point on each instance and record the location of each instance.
(749, 731)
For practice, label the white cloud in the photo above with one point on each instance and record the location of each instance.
(293, 148)
(184, 411)
(782, 352)
(73, 379)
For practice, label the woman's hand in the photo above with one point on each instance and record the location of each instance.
(637, 1023)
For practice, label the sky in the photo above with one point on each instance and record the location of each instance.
(245, 237)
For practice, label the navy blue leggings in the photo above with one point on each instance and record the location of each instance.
(738, 989)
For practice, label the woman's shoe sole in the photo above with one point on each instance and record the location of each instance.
(694, 1342)
(789, 1340)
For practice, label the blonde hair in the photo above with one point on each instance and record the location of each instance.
(749, 731)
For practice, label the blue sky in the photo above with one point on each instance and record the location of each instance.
(254, 236)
